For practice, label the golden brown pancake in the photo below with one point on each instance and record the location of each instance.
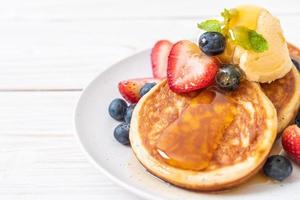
(207, 140)
(285, 93)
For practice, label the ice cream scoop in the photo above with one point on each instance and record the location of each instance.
(265, 66)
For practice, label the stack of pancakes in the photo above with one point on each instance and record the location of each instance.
(285, 94)
(238, 152)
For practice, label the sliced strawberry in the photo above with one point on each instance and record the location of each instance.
(189, 69)
(159, 58)
(130, 89)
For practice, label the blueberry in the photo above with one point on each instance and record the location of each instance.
(278, 167)
(212, 43)
(296, 63)
(128, 113)
(121, 133)
(146, 88)
(297, 119)
(229, 77)
(117, 109)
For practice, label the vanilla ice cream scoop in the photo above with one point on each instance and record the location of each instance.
(271, 64)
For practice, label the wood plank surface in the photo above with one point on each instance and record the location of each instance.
(63, 45)
(39, 156)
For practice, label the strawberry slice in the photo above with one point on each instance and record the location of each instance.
(159, 58)
(189, 69)
(130, 89)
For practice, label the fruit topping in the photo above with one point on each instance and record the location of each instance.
(128, 113)
(121, 133)
(146, 88)
(159, 58)
(291, 142)
(278, 167)
(212, 43)
(130, 89)
(117, 109)
(296, 63)
(189, 69)
(228, 77)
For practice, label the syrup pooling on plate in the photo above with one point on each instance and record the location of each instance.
(191, 140)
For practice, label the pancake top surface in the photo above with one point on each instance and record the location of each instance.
(202, 131)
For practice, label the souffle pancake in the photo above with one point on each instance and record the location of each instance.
(285, 93)
(207, 140)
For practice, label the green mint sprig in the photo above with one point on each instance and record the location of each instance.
(212, 25)
(240, 35)
(257, 41)
(248, 39)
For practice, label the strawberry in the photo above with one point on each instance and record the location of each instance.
(159, 58)
(291, 142)
(189, 69)
(130, 89)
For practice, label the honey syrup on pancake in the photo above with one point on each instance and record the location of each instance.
(190, 142)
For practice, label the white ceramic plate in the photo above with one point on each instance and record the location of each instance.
(95, 131)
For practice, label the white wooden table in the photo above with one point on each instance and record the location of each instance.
(49, 51)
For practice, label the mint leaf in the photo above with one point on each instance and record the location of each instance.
(217, 26)
(257, 41)
(228, 15)
(240, 36)
(210, 25)
(248, 39)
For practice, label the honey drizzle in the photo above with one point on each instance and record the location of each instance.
(190, 141)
